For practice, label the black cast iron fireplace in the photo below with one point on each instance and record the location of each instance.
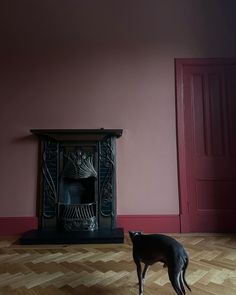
(77, 195)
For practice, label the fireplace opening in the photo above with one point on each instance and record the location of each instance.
(78, 205)
(78, 191)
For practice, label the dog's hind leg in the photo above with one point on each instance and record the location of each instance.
(146, 266)
(174, 276)
(181, 282)
(183, 274)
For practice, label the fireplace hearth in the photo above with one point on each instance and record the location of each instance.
(77, 191)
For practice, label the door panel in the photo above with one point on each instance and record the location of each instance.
(206, 113)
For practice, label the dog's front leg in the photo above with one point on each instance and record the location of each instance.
(140, 279)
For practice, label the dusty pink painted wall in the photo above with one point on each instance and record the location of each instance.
(97, 64)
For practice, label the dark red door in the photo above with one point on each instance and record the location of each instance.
(206, 120)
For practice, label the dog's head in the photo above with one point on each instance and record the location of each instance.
(132, 234)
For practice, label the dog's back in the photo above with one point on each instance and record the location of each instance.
(156, 247)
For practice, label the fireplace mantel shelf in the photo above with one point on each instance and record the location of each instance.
(77, 134)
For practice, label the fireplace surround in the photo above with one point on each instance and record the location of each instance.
(77, 187)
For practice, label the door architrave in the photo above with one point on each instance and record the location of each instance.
(181, 138)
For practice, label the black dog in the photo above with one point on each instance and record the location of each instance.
(155, 247)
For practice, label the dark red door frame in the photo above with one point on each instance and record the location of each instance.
(181, 136)
(181, 152)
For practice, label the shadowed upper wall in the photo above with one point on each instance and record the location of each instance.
(110, 64)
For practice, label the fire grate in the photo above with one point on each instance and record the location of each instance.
(79, 217)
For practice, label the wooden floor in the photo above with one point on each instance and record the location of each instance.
(109, 269)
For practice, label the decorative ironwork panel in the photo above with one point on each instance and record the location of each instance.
(79, 217)
(79, 164)
(106, 177)
(49, 179)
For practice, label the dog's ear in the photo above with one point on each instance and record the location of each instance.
(131, 234)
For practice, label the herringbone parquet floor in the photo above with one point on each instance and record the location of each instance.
(109, 269)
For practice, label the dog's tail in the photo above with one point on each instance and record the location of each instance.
(184, 270)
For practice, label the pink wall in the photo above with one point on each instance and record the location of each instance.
(97, 64)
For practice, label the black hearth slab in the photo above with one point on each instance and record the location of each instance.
(101, 236)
